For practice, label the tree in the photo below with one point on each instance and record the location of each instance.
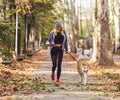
(96, 33)
(20, 16)
(34, 14)
(74, 27)
(116, 24)
(106, 57)
(70, 16)
(102, 45)
(6, 28)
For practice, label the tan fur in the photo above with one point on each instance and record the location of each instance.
(82, 70)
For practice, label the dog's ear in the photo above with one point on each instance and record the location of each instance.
(83, 64)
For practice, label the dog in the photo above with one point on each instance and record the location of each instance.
(82, 71)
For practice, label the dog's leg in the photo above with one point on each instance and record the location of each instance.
(85, 78)
(82, 79)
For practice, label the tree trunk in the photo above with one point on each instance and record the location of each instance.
(16, 35)
(32, 38)
(111, 22)
(81, 26)
(96, 34)
(69, 29)
(26, 35)
(19, 40)
(39, 41)
(102, 47)
(87, 28)
(27, 26)
(105, 57)
(74, 28)
(116, 24)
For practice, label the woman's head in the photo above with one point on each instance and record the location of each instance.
(58, 26)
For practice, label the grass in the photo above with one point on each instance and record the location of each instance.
(118, 85)
(56, 84)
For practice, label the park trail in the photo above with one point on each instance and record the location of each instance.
(69, 87)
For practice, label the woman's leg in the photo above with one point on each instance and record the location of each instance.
(60, 56)
(54, 62)
(54, 59)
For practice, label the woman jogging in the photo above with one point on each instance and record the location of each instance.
(57, 42)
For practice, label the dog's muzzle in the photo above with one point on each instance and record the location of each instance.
(85, 70)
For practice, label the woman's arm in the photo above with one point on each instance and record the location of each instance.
(66, 45)
(49, 39)
(66, 42)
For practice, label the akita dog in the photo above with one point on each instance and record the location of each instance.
(82, 71)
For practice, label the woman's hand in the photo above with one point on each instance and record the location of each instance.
(50, 44)
(57, 45)
(47, 43)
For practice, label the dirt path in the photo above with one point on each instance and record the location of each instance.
(68, 89)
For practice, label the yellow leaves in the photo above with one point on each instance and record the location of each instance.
(11, 12)
(18, 10)
(11, 82)
(118, 85)
(36, 0)
(24, 5)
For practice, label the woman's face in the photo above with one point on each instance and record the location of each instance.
(58, 28)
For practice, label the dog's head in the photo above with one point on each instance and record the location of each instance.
(85, 69)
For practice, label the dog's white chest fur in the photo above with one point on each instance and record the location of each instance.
(82, 70)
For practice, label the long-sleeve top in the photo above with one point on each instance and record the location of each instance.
(51, 39)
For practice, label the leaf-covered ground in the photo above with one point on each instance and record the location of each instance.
(30, 80)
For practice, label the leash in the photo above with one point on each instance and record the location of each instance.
(70, 55)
